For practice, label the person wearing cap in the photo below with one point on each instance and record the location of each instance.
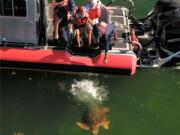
(103, 33)
(62, 7)
(82, 24)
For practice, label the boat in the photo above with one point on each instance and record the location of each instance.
(159, 34)
(26, 42)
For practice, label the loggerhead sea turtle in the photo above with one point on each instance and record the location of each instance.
(93, 118)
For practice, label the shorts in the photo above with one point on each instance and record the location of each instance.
(78, 26)
(61, 12)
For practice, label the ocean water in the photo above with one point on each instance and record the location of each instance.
(43, 103)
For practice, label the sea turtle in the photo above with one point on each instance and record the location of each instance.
(93, 118)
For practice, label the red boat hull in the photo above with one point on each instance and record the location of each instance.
(62, 57)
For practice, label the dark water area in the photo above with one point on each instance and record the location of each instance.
(41, 103)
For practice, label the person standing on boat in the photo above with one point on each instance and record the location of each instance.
(61, 10)
(103, 32)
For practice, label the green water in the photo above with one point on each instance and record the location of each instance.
(40, 103)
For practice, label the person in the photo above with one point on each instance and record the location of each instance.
(62, 7)
(103, 33)
(94, 9)
(82, 25)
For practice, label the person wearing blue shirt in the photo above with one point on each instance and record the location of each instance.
(103, 33)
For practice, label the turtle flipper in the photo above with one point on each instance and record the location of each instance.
(82, 125)
(95, 131)
(106, 124)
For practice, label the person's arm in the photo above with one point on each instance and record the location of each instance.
(62, 3)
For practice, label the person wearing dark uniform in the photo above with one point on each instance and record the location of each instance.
(62, 7)
(103, 33)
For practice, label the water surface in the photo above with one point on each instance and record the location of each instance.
(40, 103)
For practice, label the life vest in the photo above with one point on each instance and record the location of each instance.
(80, 20)
(103, 27)
(95, 12)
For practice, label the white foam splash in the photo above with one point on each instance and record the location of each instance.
(88, 91)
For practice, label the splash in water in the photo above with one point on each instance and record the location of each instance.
(88, 91)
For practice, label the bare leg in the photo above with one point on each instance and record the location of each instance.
(105, 59)
(57, 20)
(88, 29)
(89, 37)
(78, 37)
(70, 33)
